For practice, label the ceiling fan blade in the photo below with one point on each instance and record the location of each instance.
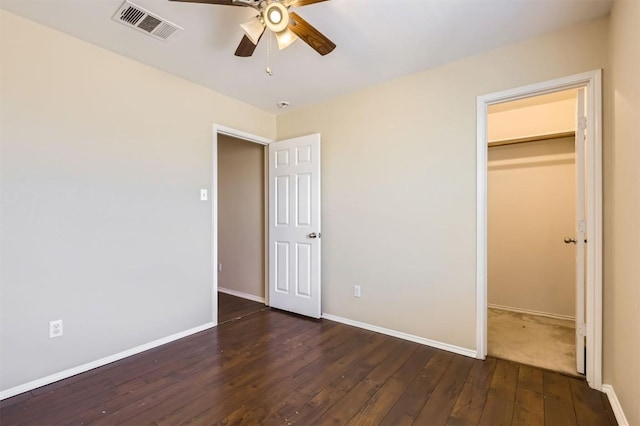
(300, 3)
(222, 2)
(310, 35)
(246, 47)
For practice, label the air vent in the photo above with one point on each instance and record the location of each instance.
(142, 20)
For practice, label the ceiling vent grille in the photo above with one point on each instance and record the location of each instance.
(142, 20)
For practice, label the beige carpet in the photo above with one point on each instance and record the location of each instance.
(533, 340)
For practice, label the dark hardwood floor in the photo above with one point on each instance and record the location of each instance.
(274, 368)
(232, 308)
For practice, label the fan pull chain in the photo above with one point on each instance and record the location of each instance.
(268, 69)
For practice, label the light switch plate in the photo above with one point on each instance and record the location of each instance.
(204, 195)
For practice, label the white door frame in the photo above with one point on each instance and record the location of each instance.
(592, 82)
(222, 130)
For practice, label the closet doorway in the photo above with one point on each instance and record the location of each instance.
(531, 206)
(588, 235)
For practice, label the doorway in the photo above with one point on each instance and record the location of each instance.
(292, 222)
(238, 298)
(241, 232)
(591, 329)
(531, 200)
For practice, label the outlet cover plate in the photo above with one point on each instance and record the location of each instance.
(55, 329)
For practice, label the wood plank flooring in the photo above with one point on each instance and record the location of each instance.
(231, 308)
(273, 368)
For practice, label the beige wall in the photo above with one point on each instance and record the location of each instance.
(241, 215)
(399, 183)
(531, 208)
(542, 115)
(102, 161)
(622, 211)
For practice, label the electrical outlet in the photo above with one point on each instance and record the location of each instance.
(356, 291)
(55, 329)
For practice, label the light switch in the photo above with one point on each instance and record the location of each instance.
(204, 195)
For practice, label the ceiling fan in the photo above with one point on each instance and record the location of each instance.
(275, 15)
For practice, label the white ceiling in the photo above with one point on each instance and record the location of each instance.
(377, 40)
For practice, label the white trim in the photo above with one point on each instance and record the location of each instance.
(241, 294)
(594, 231)
(615, 405)
(531, 312)
(218, 129)
(405, 336)
(214, 226)
(239, 134)
(34, 384)
(592, 81)
(266, 225)
(482, 158)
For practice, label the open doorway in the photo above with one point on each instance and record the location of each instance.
(239, 203)
(531, 200)
(292, 223)
(241, 228)
(589, 318)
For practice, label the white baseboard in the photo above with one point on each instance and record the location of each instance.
(26, 387)
(531, 312)
(399, 334)
(241, 294)
(615, 405)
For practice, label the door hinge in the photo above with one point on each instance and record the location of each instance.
(582, 123)
(582, 329)
(582, 226)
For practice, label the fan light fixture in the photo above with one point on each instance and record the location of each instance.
(253, 29)
(276, 17)
(285, 38)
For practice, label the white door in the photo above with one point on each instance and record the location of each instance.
(294, 225)
(580, 238)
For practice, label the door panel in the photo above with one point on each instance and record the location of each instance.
(282, 200)
(303, 185)
(294, 225)
(303, 263)
(282, 267)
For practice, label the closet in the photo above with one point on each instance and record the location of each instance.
(531, 210)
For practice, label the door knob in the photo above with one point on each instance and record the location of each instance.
(312, 235)
(570, 240)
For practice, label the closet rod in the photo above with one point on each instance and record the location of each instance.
(532, 139)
